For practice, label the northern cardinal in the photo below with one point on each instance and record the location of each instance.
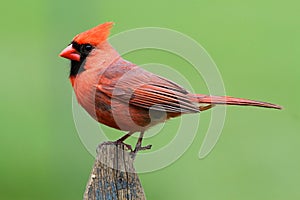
(122, 95)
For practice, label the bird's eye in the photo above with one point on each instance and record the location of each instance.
(86, 48)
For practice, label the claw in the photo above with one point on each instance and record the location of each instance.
(143, 148)
(139, 148)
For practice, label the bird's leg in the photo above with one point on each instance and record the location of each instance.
(203, 108)
(138, 146)
(121, 141)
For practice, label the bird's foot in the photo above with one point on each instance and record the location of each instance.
(116, 143)
(139, 148)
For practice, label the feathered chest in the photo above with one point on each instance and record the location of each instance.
(85, 88)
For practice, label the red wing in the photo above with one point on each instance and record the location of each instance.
(146, 90)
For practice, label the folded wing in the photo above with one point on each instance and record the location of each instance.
(141, 88)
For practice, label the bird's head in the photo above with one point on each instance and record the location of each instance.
(83, 44)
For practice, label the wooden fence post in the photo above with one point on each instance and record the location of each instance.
(113, 176)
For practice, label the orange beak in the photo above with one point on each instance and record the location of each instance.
(70, 53)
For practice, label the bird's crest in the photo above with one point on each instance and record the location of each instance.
(94, 36)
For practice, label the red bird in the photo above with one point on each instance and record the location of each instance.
(124, 96)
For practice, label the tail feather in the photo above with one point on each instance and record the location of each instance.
(200, 98)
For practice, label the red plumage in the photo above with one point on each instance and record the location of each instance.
(122, 95)
(94, 36)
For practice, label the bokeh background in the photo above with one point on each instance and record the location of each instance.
(256, 47)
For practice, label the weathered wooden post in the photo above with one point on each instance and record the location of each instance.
(113, 176)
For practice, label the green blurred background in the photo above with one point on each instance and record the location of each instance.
(256, 46)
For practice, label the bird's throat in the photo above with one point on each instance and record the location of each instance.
(77, 67)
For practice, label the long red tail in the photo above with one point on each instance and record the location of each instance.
(200, 98)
